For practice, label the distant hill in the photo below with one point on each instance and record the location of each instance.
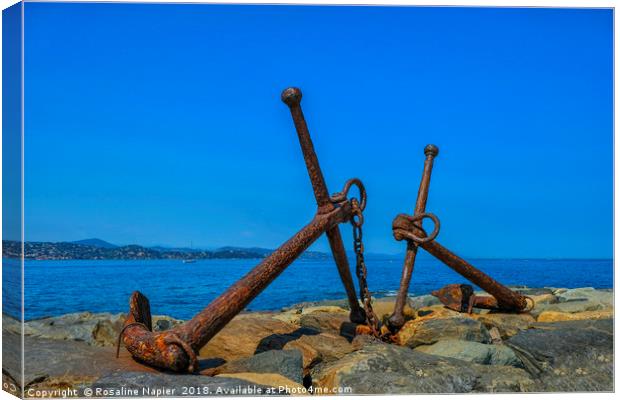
(253, 250)
(96, 243)
(97, 249)
(179, 249)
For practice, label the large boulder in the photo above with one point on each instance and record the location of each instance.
(479, 353)
(604, 297)
(322, 347)
(384, 307)
(277, 341)
(287, 363)
(423, 301)
(568, 356)
(244, 336)
(507, 324)
(100, 329)
(294, 315)
(426, 332)
(382, 368)
(325, 320)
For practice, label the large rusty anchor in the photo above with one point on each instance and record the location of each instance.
(176, 349)
(458, 297)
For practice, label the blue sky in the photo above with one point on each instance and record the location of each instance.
(162, 124)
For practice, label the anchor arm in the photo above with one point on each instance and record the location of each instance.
(507, 299)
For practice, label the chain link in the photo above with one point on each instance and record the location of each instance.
(357, 220)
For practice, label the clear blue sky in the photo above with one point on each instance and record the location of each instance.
(162, 124)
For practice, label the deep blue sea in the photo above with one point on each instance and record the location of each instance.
(181, 290)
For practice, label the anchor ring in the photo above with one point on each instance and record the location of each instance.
(342, 195)
(418, 218)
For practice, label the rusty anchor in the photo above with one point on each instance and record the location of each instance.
(176, 349)
(409, 228)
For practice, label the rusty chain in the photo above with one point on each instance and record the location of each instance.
(357, 220)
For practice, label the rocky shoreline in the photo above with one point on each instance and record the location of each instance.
(564, 344)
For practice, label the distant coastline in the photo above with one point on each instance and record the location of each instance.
(96, 249)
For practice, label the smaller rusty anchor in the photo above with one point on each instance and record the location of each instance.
(397, 319)
(459, 297)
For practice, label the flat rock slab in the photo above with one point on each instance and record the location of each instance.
(383, 368)
(416, 333)
(47, 359)
(569, 355)
(604, 297)
(479, 353)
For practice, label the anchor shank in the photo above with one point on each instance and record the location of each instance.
(431, 152)
(397, 319)
(292, 98)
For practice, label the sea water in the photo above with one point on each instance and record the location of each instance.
(181, 290)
